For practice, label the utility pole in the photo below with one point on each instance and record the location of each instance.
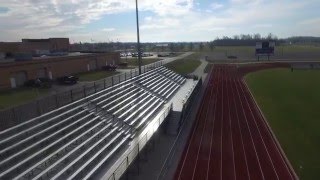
(138, 38)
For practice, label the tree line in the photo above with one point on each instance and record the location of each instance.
(236, 40)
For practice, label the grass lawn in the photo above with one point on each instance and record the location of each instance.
(299, 48)
(15, 97)
(287, 51)
(185, 65)
(248, 49)
(291, 104)
(145, 61)
(285, 48)
(95, 75)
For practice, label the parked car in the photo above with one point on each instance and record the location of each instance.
(232, 57)
(39, 83)
(163, 55)
(109, 67)
(136, 54)
(68, 80)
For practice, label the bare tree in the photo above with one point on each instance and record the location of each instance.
(211, 45)
(257, 36)
(171, 47)
(181, 46)
(191, 46)
(201, 46)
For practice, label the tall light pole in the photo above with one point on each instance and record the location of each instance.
(138, 38)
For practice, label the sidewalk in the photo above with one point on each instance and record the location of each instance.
(200, 70)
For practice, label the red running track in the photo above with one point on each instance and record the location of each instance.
(230, 138)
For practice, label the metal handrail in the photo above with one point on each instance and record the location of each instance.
(169, 157)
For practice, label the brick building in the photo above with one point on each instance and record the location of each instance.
(34, 46)
(51, 44)
(14, 74)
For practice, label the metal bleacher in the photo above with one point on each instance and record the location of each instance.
(74, 141)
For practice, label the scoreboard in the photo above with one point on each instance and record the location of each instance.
(265, 48)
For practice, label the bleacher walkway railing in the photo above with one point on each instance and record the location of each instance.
(123, 163)
(185, 113)
(186, 106)
(12, 116)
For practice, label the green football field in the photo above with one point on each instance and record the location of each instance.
(291, 104)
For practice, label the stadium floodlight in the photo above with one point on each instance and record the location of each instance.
(138, 38)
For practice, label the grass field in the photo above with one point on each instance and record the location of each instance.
(247, 53)
(284, 48)
(15, 97)
(95, 75)
(185, 65)
(145, 61)
(291, 104)
(299, 48)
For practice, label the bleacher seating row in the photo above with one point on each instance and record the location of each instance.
(74, 141)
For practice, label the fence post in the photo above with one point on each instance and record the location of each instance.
(84, 91)
(104, 83)
(125, 76)
(94, 85)
(71, 95)
(127, 176)
(119, 78)
(112, 80)
(14, 115)
(56, 97)
(38, 108)
(138, 158)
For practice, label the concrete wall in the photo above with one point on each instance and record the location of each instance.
(55, 66)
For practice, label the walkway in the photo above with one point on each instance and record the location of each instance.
(200, 70)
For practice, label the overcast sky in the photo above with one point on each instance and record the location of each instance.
(160, 20)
